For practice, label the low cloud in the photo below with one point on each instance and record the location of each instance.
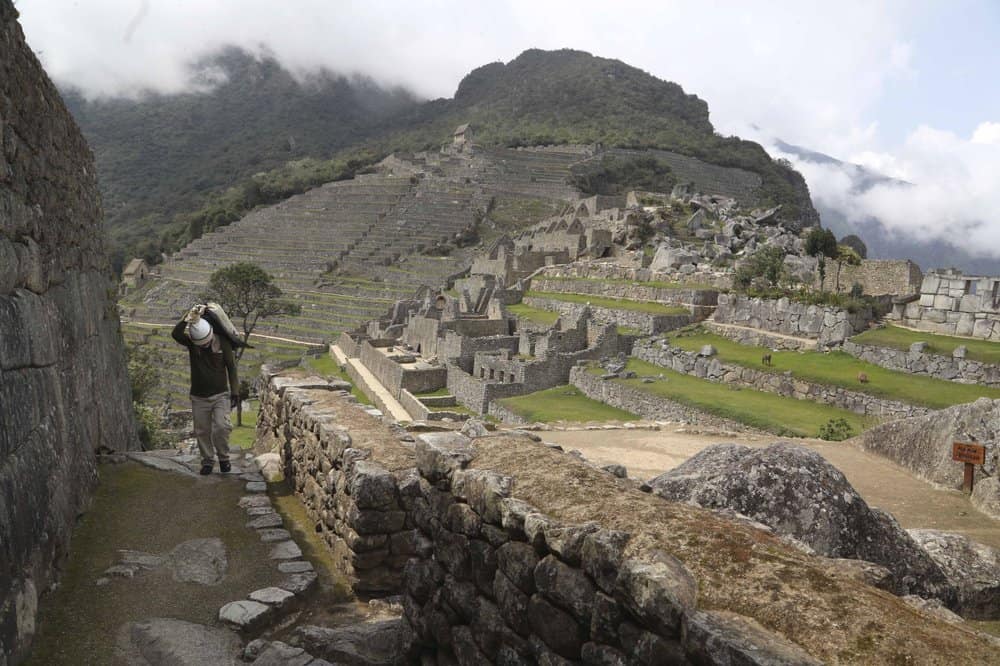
(951, 195)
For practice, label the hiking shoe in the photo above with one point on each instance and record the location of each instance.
(224, 466)
(206, 469)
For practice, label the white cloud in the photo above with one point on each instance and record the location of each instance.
(987, 133)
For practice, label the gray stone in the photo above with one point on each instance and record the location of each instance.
(285, 550)
(245, 615)
(465, 648)
(254, 501)
(255, 511)
(295, 567)
(658, 592)
(372, 643)
(484, 491)
(619, 470)
(270, 467)
(960, 351)
(566, 541)
(281, 654)
(268, 536)
(440, 453)
(918, 347)
(797, 493)
(474, 428)
(567, 587)
(273, 596)
(517, 560)
(602, 557)
(556, 628)
(973, 569)
(201, 561)
(266, 521)
(512, 602)
(256, 487)
(251, 476)
(707, 350)
(300, 583)
(372, 486)
(726, 638)
(179, 643)
(594, 654)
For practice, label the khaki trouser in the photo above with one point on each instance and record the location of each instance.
(212, 426)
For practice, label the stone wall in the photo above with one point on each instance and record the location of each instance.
(631, 292)
(616, 271)
(644, 404)
(953, 369)
(645, 322)
(877, 277)
(754, 337)
(951, 303)
(827, 325)
(63, 386)
(711, 368)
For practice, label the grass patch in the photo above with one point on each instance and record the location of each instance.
(625, 330)
(456, 409)
(534, 315)
(841, 369)
(766, 411)
(901, 338)
(325, 366)
(612, 303)
(564, 403)
(245, 435)
(435, 393)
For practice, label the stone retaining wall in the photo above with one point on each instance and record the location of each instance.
(690, 363)
(921, 363)
(614, 271)
(754, 337)
(827, 325)
(646, 322)
(64, 388)
(643, 404)
(631, 292)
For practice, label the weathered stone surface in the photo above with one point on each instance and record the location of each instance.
(594, 654)
(555, 627)
(727, 638)
(973, 569)
(658, 592)
(273, 596)
(299, 583)
(604, 620)
(254, 501)
(566, 586)
(372, 486)
(461, 519)
(484, 491)
(512, 602)
(285, 550)
(270, 467)
(566, 541)
(179, 643)
(440, 453)
(517, 560)
(483, 560)
(295, 567)
(797, 493)
(245, 615)
(200, 561)
(374, 643)
(282, 654)
(466, 650)
(256, 487)
(474, 428)
(602, 557)
(265, 521)
(269, 536)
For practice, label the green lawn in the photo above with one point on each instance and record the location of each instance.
(563, 403)
(325, 366)
(243, 436)
(841, 369)
(435, 393)
(535, 315)
(901, 338)
(766, 411)
(612, 303)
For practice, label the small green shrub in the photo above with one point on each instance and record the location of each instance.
(835, 430)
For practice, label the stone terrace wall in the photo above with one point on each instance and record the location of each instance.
(644, 404)
(878, 277)
(609, 270)
(646, 322)
(690, 363)
(63, 385)
(631, 292)
(827, 325)
(921, 363)
(520, 555)
(951, 303)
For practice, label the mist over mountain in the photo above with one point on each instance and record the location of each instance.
(884, 242)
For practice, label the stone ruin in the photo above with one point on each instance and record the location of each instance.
(951, 303)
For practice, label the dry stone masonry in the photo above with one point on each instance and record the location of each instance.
(916, 361)
(951, 303)
(829, 326)
(63, 385)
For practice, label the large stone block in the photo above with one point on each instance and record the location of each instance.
(567, 587)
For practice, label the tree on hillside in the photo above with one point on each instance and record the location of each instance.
(767, 265)
(247, 292)
(822, 244)
(855, 243)
(845, 255)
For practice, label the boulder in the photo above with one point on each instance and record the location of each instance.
(373, 643)
(797, 493)
(270, 467)
(973, 569)
(245, 615)
(671, 257)
(707, 351)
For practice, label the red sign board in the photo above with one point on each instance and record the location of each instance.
(968, 453)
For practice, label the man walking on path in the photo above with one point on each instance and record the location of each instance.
(214, 386)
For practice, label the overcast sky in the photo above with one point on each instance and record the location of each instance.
(908, 88)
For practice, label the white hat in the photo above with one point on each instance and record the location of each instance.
(200, 332)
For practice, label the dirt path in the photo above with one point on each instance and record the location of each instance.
(915, 503)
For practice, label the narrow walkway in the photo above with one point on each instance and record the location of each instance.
(379, 394)
(807, 343)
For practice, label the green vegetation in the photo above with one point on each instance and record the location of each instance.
(144, 372)
(436, 393)
(653, 284)
(901, 338)
(611, 303)
(765, 268)
(626, 330)
(835, 430)
(563, 403)
(841, 369)
(244, 435)
(535, 315)
(617, 175)
(766, 411)
(515, 213)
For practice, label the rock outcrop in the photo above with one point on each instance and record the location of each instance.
(973, 569)
(63, 384)
(797, 493)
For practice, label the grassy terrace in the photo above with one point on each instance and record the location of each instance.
(536, 315)
(325, 366)
(766, 411)
(611, 303)
(840, 369)
(654, 284)
(901, 338)
(563, 403)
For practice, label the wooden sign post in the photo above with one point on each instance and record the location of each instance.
(971, 455)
